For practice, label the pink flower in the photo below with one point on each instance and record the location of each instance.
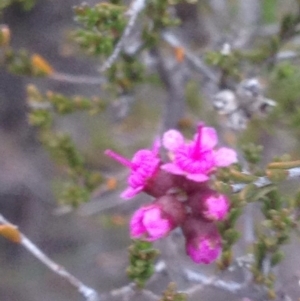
(204, 249)
(143, 165)
(155, 221)
(198, 158)
(209, 204)
(203, 241)
(148, 223)
(215, 207)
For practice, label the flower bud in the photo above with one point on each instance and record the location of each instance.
(172, 208)
(209, 204)
(156, 220)
(203, 241)
(160, 183)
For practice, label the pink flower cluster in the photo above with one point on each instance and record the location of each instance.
(181, 190)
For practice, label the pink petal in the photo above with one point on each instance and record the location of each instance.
(152, 214)
(136, 230)
(155, 225)
(205, 253)
(136, 226)
(172, 168)
(159, 230)
(225, 156)
(172, 139)
(197, 177)
(216, 207)
(140, 156)
(204, 249)
(209, 138)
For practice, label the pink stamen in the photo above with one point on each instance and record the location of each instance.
(197, 148)
(119, 158)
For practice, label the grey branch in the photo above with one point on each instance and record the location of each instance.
(242, 262)
(230, 286)
(221, 14)
(249, 19)
(134, 10)
(88, 293)
(129, 291)
(174, 82)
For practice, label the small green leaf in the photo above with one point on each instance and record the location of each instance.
(233, 215)
(248, 193)
(277, 257)
(231, 236)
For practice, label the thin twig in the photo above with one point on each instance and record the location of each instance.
(191, 58)
(88, 293)
(77, 79)
(264, 181)
(242, 262)
(229, 286)
(124, 290)
(135, 8)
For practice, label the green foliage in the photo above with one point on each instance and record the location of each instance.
(269, 11)
(248, 193)
(26, 4)
(101, 28)
(124, 75)
(252, 152)
(102, 25)
(19, 62)
(227, 228)
(23, 63)
(40, 118)
(81, 181)
(278, 220)
(159, 12)
(141, 262)
(265, 52)
(60, 104)
(275, 232)
(63, 149)
(288, 27)
(228, 64)
(285, 85)
(159, 17)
